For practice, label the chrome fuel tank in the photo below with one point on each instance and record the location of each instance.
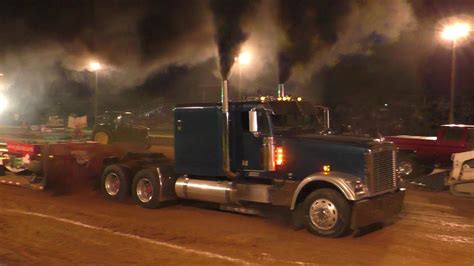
(221, 191)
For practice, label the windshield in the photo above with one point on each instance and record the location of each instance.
(295, 116)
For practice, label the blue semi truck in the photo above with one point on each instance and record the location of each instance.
(265, 152)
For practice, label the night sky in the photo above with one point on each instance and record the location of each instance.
(359, 55)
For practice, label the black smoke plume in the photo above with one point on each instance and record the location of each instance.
(228, 16)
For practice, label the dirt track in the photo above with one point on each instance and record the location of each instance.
(39, 227)
(434, 228)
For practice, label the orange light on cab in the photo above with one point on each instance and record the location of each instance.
(279, 156)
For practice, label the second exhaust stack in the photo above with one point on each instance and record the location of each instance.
(281, 90)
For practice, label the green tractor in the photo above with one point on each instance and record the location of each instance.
(118, 126)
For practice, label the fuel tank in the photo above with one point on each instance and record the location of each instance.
(221, 191)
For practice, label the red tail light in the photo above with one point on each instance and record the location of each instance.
(279, 156)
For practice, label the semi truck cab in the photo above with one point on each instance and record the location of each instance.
(330, 183)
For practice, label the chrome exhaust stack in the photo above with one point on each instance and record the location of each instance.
(327, 117)
(225, 132)
(281, 90)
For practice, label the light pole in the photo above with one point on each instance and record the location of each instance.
(3, 99)
(242, 60)
(95, 67)
(454, 33)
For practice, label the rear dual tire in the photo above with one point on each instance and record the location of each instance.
(146, 189)
(145, 186)
(115, 182)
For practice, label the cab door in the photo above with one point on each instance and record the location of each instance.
(470, 139)
(452, 140)
(252, 142)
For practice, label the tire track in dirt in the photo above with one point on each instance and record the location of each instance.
(265, 257)
(134, 237)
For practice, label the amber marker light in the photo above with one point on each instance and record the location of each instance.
(279, 156)
(327, 168)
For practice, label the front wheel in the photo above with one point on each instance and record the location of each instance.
(102, 137)
(408, 167)
(327, 213)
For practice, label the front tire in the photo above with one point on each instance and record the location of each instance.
(327, 213)
(408, 167)
(115, 182)
(146, 189)
(102, 137)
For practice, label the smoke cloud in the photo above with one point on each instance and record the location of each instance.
(43, 42)
(133, 39)
(228, 16)
(318, 33)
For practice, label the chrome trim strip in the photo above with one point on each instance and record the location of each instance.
(268, 154)
(228, 192)
(160, 177)
(185, 188)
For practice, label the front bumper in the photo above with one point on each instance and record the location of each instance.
(377, 209)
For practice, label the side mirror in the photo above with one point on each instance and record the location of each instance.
(253, 121)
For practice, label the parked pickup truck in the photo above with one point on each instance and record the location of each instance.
(419, 155)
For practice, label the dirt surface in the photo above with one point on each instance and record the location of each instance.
(80, 227)
(37, 227)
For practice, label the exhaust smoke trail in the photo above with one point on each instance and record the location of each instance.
(317, 33)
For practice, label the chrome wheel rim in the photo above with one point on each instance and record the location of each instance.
(323, 214)
(144, 190)
(112, 184)
(405, 167)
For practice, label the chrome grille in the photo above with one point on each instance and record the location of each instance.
(381, 169)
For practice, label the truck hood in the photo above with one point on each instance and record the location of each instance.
(357, 141)
(408, 137)
(308, 153)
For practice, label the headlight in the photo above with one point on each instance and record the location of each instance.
(360, 189)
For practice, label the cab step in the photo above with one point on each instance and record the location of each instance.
(240, 209)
